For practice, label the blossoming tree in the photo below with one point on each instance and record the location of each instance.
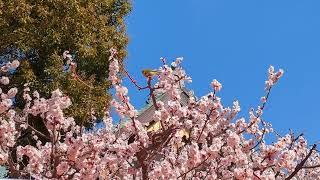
(218, 145)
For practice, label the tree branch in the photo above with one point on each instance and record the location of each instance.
(300, 165)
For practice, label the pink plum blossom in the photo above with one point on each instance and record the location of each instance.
(201, 139)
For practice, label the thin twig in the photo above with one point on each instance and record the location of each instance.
(44, 136)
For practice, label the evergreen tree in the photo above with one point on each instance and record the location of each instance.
(37, 32)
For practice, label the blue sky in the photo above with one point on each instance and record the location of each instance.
(235, 42)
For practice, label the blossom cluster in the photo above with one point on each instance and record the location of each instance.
(200, 140)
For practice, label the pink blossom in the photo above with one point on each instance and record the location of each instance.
(3, 158)
(66, 55)
(5, 68)
(216, 85)
(15, 64)
(233, 139)
(4, 80)
(62, 168)
(198, 139)
(12, 92)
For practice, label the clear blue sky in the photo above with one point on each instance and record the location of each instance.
(235, 42)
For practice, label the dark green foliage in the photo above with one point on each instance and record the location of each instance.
(43, 29)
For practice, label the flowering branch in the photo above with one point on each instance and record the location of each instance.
(300, 165)
(198, 139)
